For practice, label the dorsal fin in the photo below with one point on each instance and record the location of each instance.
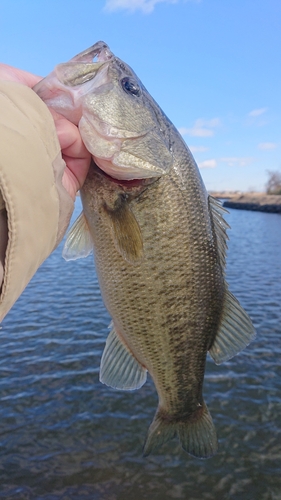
(220, 227)
(235, 332)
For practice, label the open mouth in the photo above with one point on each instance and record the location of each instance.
(98, 52)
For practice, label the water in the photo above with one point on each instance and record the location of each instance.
(63, 435)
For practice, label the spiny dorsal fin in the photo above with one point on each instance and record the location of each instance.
(126, 232)
(235, 332)
(119, 368)
(220, 227)
(78, 242)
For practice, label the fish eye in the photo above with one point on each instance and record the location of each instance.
(130, 86)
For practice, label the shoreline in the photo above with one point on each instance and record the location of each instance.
(258, 202)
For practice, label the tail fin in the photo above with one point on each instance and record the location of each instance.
(197, 434)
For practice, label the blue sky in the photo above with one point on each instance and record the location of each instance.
(212, 65)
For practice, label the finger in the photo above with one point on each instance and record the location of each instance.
(74, 173)
(74, 153)
(18, 75)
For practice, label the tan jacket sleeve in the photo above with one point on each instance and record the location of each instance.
(34, 207)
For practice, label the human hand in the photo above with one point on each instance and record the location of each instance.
(74, 153)
(73, 150)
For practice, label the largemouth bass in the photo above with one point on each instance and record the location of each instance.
(159, 246)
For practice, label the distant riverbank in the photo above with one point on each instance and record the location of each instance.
(260, 202)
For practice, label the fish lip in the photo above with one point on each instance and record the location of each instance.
(107, 160)
(125, 183)
(67, 98)
(100, 50)
(101, 127)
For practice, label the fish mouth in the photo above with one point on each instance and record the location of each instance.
(105, 129)
(64, 88)
(108, 146)
(99, 51)
(125, 183)
(76, 90)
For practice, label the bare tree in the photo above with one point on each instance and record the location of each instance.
(273, 185)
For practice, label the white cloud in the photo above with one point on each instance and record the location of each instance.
(201, 128)
(146, 6)
(267, 145)
(257, 112)
(198, 149)
(196, 131)
(207, 164)
(236, 161)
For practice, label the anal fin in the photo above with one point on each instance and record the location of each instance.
(119, 368)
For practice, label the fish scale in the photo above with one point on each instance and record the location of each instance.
(164, 293)
(155, 293)
(159, 245)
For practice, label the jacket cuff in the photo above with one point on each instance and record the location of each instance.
(38, 208)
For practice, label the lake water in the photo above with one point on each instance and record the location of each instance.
(64, 435)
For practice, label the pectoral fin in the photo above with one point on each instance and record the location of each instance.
(78, 242)
(236, 331)
(119, 368)
(126, 232)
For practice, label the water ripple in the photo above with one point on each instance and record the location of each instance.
(63, 435)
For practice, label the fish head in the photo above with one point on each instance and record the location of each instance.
(120, 124)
